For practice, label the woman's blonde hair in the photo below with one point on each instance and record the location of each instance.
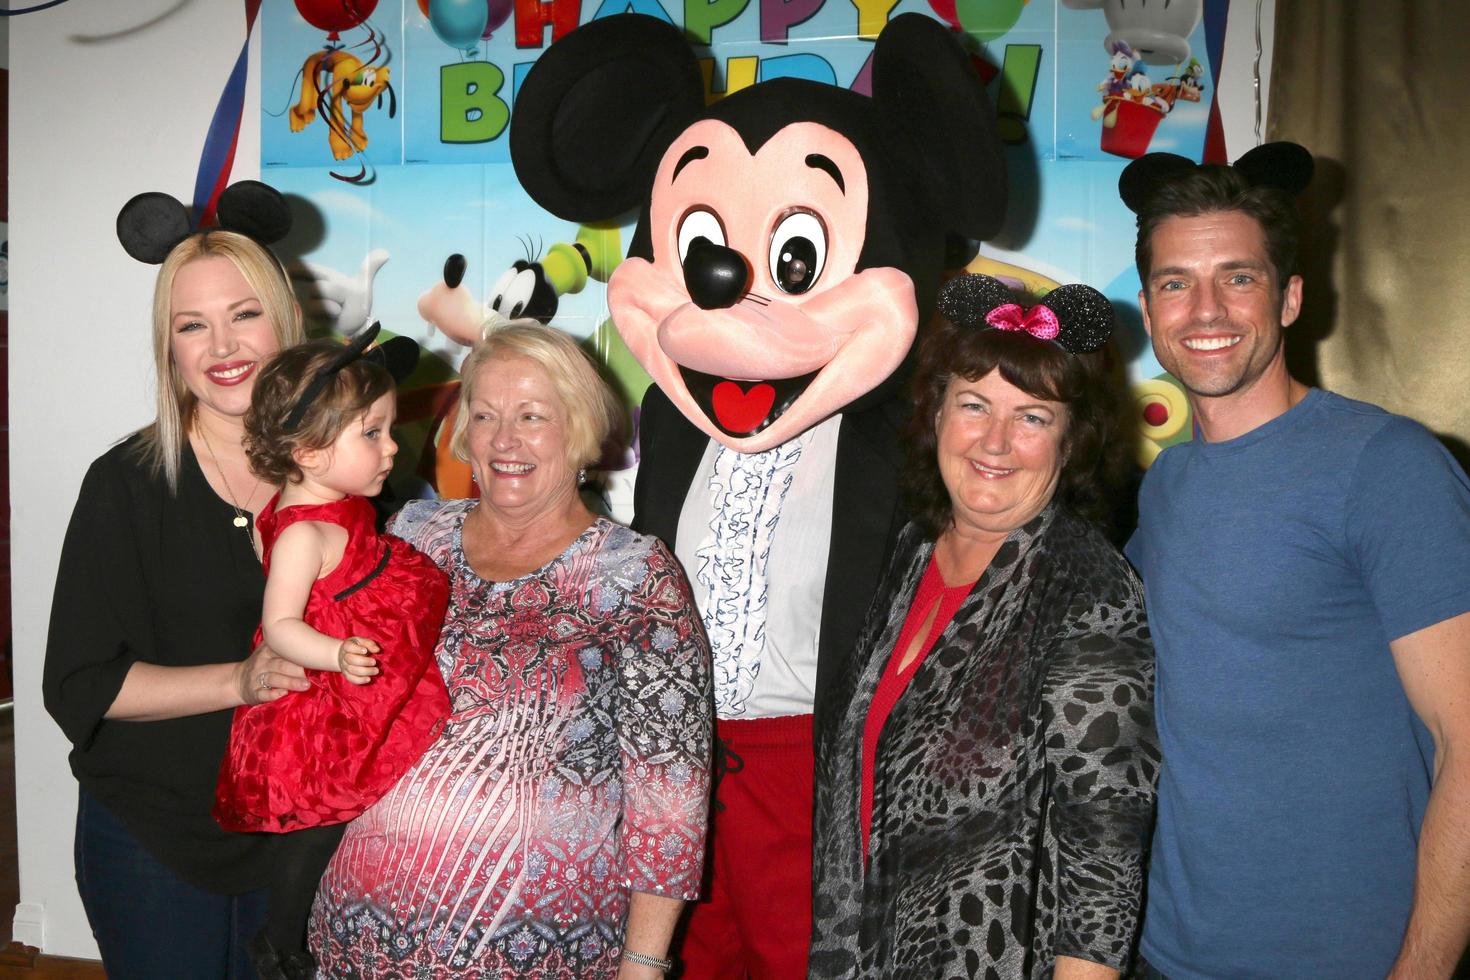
(162, 443)
(593, 411)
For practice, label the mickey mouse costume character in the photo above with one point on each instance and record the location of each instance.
(789, 244)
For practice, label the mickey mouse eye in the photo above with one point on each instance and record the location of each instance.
(798, 251)
(699, 224)
(512, 292)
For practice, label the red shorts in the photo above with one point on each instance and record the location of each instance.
(755, 919)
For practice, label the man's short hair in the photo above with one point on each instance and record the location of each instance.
(1214, 188)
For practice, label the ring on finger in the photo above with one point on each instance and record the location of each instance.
(264, 684)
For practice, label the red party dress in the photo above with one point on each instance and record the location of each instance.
(324, 755)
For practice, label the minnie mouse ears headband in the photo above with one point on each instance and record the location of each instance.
(397, 355)
(151, 224)
(1076, 318)
(1284, 166)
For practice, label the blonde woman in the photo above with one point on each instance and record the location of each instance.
(157, 595)
(556, 827)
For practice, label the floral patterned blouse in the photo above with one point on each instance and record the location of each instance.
(574, 768)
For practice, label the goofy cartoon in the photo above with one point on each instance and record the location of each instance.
(789, 245)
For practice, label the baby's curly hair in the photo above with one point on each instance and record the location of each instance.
(268, 446)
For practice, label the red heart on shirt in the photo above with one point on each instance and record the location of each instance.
(742, 411)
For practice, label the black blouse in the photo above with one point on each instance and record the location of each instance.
(150, 576)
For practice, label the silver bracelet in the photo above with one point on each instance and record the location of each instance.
(643, 959)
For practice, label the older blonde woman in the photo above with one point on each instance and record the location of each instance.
(157, 595)
(568, 791)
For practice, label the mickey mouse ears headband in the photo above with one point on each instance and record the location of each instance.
(1282, 165)
(397, 355)
(152, 223)
(1076, 318)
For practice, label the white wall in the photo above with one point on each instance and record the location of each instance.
(1237, 97)
(108, 99)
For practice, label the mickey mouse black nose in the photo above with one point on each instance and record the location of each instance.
(714, 275)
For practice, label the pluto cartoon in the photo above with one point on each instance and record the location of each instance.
(338, 83)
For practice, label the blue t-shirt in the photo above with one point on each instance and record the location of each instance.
(1277, 567)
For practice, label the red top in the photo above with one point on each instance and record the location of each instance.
(324, 755)
(894, 681)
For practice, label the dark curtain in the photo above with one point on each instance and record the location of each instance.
(1379, 92)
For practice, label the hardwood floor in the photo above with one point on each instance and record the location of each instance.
(19, 962)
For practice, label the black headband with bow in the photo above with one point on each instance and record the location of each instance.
(397, 356)
(152, 223)
(1285, 166)
(1076, 318)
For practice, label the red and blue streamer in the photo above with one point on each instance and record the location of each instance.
(218, 156)
(1216, 18)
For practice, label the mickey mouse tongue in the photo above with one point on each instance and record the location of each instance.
(743, 408)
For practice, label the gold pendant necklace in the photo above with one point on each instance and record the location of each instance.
(240, 521)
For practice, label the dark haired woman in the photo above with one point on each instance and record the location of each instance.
(986, 766)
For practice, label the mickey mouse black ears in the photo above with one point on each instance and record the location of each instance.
(152, 223)
(1282, 165)
(398, 355)
(1076, 318)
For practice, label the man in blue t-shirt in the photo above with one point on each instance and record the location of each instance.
(1306, 561)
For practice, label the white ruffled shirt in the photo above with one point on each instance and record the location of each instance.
(758, 567)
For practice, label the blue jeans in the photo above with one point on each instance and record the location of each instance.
(149, 923)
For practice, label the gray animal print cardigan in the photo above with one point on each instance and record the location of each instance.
(1014, 781)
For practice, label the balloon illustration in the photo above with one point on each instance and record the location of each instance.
(498, 12)
(987, 20)
(335, 15)
(945, 10)
(459, 23)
